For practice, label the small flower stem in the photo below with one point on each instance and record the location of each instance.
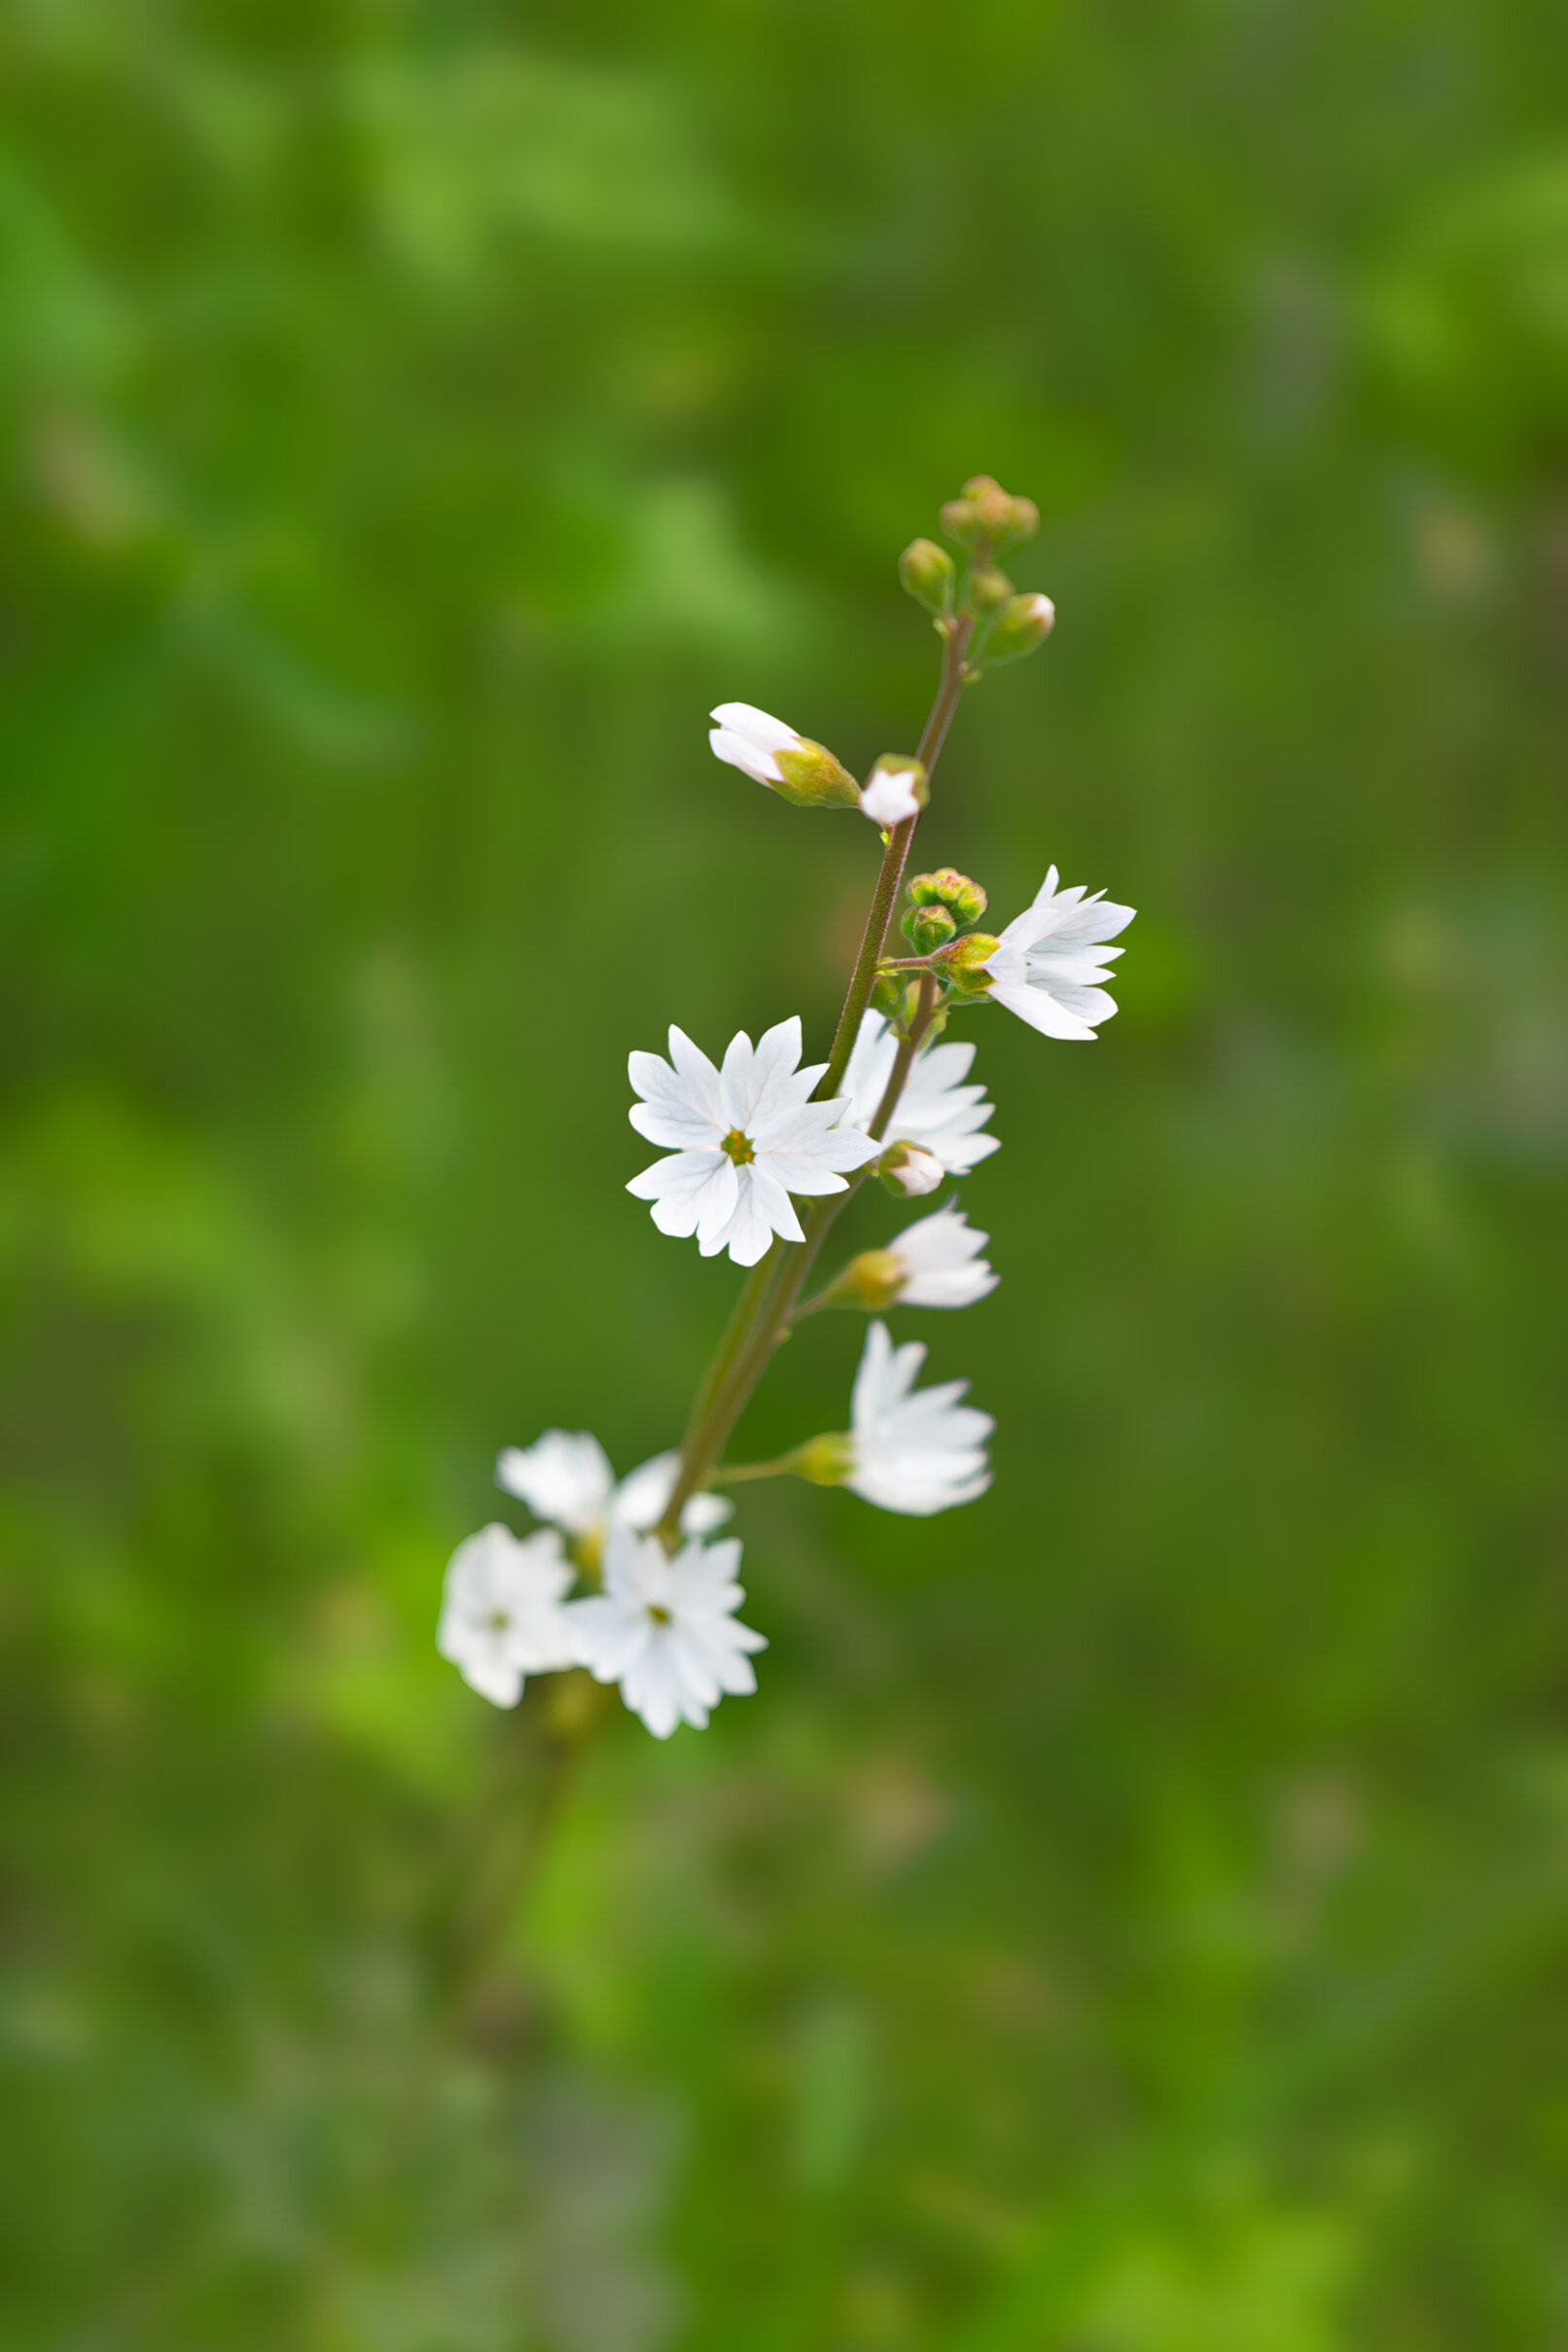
(766, 1304)
(737, 1474)
(753, 1292)
(904, 963)
(810, 1307)
(895, 857)
(904, 1061)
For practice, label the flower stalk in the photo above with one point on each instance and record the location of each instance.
(758, 1157)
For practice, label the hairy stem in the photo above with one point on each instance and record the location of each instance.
(895, 857)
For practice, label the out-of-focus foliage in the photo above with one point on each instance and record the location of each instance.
(1132, 1916)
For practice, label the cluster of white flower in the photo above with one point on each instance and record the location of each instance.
(742, 1141)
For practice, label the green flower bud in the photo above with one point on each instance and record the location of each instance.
(827, 1460)
(927, 928)
(962, 964)
(887, 992)
(1025, 521)
(988, 590)
(948, 889)
(812, 777)
(961, 520)
(927, 573)
(1021, 626)
(1002, 518)
(874, 1280)
(991, 503)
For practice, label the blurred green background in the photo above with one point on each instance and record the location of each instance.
(1133, 1914)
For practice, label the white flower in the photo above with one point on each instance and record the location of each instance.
(912, 1450)
(748, 739)
(936, 1111)
(891, 797)
(665, 1630)
(501, 1612)
(940, 1261)
(742, 1139)
(1048, 964)
(568, 1479)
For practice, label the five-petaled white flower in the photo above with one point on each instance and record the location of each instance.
(936, 1112)
(939, 1261)
(914, 1450)
(566, 1477)
(665, 1630)
(741, 1140)
(1048, 963)
(501, 1611)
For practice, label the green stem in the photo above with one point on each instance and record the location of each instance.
(778, 1316)
(737, 1474)
(895, 857)
(765, 1305)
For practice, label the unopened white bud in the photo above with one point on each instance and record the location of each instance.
(909, 1172)
(896, 789)
(790, 764)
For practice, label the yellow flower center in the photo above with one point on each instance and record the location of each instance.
(738, 1147)
(660, 1617)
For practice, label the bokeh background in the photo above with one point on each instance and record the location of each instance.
(1133, 1914)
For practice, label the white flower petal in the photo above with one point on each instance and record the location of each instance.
(700, 1080)
(736, 751)
(889, 799)
(757, 727)
(639, 1501)
(562, 1477)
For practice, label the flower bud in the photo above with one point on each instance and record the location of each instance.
(991, 504)
(827, 1460)
(948, 889)
(927, 928)
(963, 964)
(874, 1280)
(1024, 520)
(927, 573)
(895, 790)
(887, 992)
(1021, 624)
(988, 591)
(961, 520)
(907, 1171)
(812, 777)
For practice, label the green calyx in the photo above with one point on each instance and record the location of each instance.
(962, 965)
(872, 1280)
(827, 1460)
(810, 777)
